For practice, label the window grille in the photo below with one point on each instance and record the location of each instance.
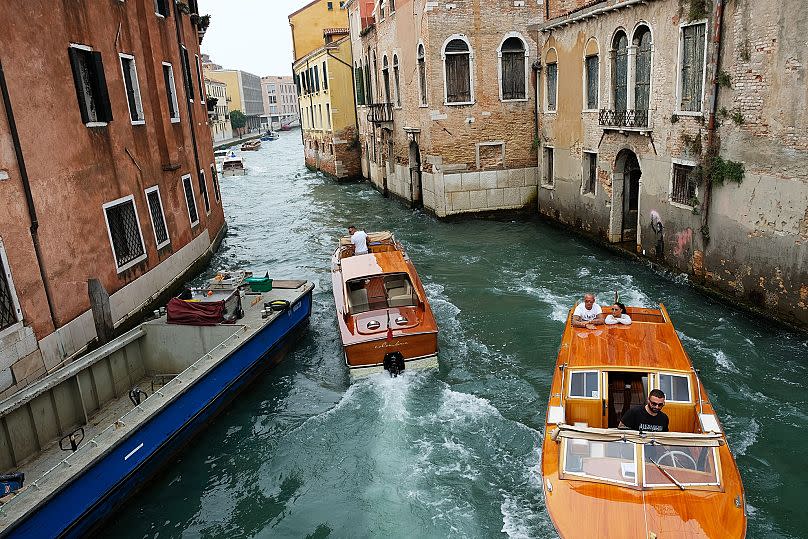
(189, 200)
(692, 71)
(683, 190)
(620, 72)
(592, 73)
(91, 85)
(590, 172)
(458, 72)
(552, 86)
(513, 69)
(132, 89)
(158, 220)
(171, 92)
(422, 73)
(396, 80)
(548, 167)
(124, 231)
(8, 313)
(642, 75)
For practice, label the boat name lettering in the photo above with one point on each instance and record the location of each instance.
(390, 344)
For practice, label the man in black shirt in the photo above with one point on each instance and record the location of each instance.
(647, 418)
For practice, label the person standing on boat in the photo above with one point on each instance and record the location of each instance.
(649, 417)
(360, 240)
(618, 315)
(587, 314)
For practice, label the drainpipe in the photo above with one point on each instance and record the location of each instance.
(29, 199)
(718, 16)
(187, 97)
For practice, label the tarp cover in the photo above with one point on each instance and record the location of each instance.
(195, 313)
(633, 436)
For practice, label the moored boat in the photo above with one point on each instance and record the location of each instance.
(384, 317)
(251, 145)
(601, 481)
(102, 425)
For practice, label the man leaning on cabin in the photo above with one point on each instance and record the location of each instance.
(649, 417)
(359, 239)
(587, 314)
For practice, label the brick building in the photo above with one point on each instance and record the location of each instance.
(446, 101)
(106, 171)
(679, 130)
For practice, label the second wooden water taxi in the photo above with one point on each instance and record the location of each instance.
(601, 481)
(384, 317)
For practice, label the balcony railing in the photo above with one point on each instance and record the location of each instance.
(633, 120)
(380, 113)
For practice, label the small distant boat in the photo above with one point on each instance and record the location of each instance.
(270, 135)
(233, 166)
(286, 127)
(219, 156)
(251, 145)
(384, 317)
(91, 433)
(601, 481)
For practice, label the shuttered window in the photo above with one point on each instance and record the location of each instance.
(132, 88)
(458, 72)
(692, 71)
(203, 188)
(422, 74)
(215, 177)
(592, 74)
(91, 85)
(186, 73)
(396, 80)
(513, 69)
(368, 85)
(171, 92)
(199, 80)
(642, 73)
(552, 86)
(620, 72)
(359, 80)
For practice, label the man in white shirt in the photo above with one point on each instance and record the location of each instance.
(360, 240)
(587, 314)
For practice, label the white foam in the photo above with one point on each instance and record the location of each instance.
(516, 518)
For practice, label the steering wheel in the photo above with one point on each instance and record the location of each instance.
(678, 459)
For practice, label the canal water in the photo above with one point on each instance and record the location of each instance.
(452, 452)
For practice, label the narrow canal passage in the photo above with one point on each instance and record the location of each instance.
(454, 452)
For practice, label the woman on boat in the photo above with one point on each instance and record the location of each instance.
(618, 315)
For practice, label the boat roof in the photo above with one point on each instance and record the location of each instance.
(649, 342)
(358, 266)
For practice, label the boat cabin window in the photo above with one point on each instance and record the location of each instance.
(381, 292)
(675, 386)
(687, 465)
(584, 384)
(612, 461)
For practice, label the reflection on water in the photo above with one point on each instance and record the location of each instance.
(452, 452)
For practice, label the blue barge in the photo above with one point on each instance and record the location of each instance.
(123, 410)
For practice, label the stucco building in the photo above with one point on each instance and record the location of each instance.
(218, 111)
(280, 101)
(244, 91)
(445, 95)
(679, 129)
(117, 190)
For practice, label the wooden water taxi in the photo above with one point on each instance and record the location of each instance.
(251, 145)
(601, 481)
(384, 317)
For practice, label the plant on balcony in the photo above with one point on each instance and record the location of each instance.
(182, 5)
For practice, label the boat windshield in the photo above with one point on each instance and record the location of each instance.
(614, 462)
(679, 466)
(232, 165)
(380, 292)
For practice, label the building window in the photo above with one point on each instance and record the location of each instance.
(91, 85)
(642, 71)
(330, 5)
(360, 85)
(10, 312)
(548, 176)
(186, 73)
(592, 75)
(683, 185)
(620, 71)
(123, 226)
(171, 93)
(392, 6)
(199, 80)
(328, 114)
(691, 72)
(316, 78)
(203, 188)
(396, 80)
(368, 83)
(512, 69)
(161, 7)
(457, 66)
(273, 99)
(386, 79)
(132, 85)
(422, 74)
(190, 201)
(157, 217)
(325, 77)
(552, 87)
(215, 177)
(590, 173)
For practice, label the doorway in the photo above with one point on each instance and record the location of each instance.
(626, 389)
(415, 175)
(628, 164)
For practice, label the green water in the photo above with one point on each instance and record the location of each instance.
(452, 452)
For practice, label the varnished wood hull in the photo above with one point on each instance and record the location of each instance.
(411, 346)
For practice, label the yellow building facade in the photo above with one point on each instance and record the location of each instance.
(309, 22)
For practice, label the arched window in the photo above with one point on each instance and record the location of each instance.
(513, 73)
(396, 80)
(642, 73)
(457, 65)
(368, 81)
(422, 73)
(360, 84)
(591, 75)
(386, 79)
(375, 80)
(620, 71)
(551, 78)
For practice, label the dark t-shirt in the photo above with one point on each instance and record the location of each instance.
(637, 418)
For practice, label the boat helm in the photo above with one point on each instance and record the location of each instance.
(394, 363)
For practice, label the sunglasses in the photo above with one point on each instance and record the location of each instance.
(656, 404)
